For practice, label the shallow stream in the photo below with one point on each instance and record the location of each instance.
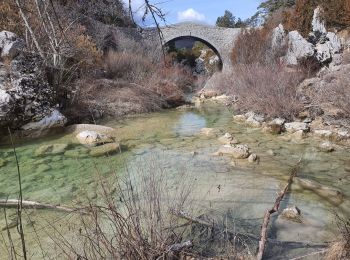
(223, 185)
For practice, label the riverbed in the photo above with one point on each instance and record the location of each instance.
(222, 186)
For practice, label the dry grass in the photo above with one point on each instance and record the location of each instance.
(340, 250)
(332, 92)
(270, 90)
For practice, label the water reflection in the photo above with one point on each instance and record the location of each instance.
(189, 124)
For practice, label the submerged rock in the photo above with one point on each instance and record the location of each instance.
(209, 132)
(237, 151)
(327, 147)
(228, 139)
(76, 153)
(252, 158)
(271, 152)
(92, 138)
(51, 149)
(42, 168)
(293, 214)
(332, 195)
(106, 149)
(2, 162)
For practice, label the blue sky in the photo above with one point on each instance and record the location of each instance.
(204, 11)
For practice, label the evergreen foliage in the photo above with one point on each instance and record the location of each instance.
(227, 20)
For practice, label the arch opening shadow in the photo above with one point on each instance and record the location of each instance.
(194, 38)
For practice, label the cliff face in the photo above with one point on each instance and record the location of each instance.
(25, 95)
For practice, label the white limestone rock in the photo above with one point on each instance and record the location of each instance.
(237, 151)
(318, 25)
(278, 37)
(296, 126)
(10, 44)
(298, 48)
(92, 138)
(55, 119)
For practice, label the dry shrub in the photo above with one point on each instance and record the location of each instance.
(9, 17)
(270, 90)
(254, 46)
(112, 98)
(334, 90)
(340, 250)
(134, 220)
(171, 83)
(127, 65)
(335, 12)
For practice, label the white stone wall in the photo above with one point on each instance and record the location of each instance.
(222, 39)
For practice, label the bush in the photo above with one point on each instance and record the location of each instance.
(270, 90)
(128, 66)
(334, 91)
(9, 17)
(254, 46)
(335, 12)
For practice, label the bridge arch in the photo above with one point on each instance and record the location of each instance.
(219, 39)
(194, 38)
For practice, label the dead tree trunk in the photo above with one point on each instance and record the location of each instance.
(13, 203)
(275, 208)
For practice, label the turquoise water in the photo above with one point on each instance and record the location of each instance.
(172, 139)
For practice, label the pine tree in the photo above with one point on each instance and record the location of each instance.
(228, 20)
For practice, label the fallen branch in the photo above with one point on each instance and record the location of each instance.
(274, 209)
(291, 244)
(13, 203)
(311, 254)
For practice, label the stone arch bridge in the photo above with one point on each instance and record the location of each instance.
(219, 39)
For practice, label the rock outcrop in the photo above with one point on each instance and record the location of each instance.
(320, 46)
(26, 99)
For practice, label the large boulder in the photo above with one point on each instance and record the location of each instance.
(92, 138)
(75, 129)
(25, 95)
(298, 48)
